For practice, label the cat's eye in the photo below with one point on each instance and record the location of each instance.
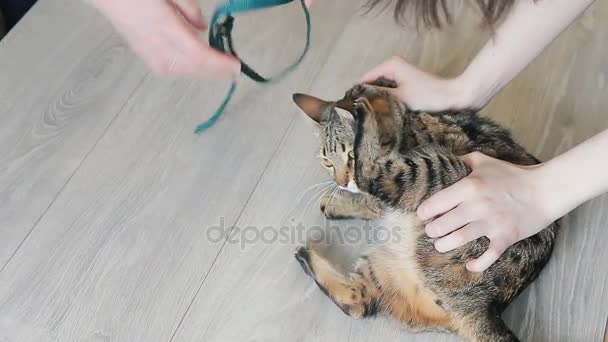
(351, 155)
(326, 162)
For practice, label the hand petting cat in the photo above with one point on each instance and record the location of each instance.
(419, 89)
(508, 203)
(499, 200)
(502, 201)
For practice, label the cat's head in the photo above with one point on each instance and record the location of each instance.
(336, 136)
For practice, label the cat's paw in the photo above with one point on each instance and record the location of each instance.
(352, 301)
(328, 201)
(324, 201)
(302, 255)
(349, 293)
(337, 205)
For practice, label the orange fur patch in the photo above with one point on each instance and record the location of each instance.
(411, 302)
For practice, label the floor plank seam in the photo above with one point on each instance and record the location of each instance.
(606, 330)
(274, 153)
(86, 156)
(143, 249)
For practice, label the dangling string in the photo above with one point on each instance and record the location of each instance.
(205, 125)
(220, 38)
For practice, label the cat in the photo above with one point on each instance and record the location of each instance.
(386, 160)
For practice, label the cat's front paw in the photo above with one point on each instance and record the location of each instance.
(337, 205)
(302, 255)
(324, 201)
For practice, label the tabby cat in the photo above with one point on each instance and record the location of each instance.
(388, 159)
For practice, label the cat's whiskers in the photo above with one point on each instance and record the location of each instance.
(331, 196)
(313, 187)
(306, 191)
(316, 196)
(336, 190)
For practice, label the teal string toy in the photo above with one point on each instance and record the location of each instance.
(220, 38)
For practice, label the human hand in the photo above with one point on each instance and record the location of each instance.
(504, 202)
(421, 91)
(166, 35)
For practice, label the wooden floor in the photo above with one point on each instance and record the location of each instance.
(108, 200)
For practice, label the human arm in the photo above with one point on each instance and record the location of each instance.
(502, 201)
(526, 31)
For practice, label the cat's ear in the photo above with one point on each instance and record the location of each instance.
(347, 105)
(312, 106)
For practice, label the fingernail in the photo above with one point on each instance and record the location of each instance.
(439, 246)
(470, 265)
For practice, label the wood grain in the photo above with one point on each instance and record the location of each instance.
(108, 202)
(60, 89)
(259, 293)
(122, 250)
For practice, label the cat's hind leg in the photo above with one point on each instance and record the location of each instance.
(354, 293)
(482, 326)
(342, 204)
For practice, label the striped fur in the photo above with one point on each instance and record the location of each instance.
(400, 158)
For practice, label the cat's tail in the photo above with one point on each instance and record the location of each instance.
(486, 328)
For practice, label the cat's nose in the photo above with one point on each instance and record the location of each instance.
(341, 179)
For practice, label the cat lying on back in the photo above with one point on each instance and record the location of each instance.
(387, 160)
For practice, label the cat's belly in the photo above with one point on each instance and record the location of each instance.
(405, 229)
(400, 277)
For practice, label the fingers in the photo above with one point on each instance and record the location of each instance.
(473, 231)
(386, 69)
(495, 250)
(446, 199)
(308, 3)
(392, 91)
(206, 62)
(193, 57)
(166, 35)
(451, 221)
(473, 159)
(191, 11)
(461, 237)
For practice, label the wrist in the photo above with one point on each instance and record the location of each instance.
(467, 92)
(555, 195)
(471, 91)
(459, 94)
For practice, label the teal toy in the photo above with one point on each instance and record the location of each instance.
(220, 38)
